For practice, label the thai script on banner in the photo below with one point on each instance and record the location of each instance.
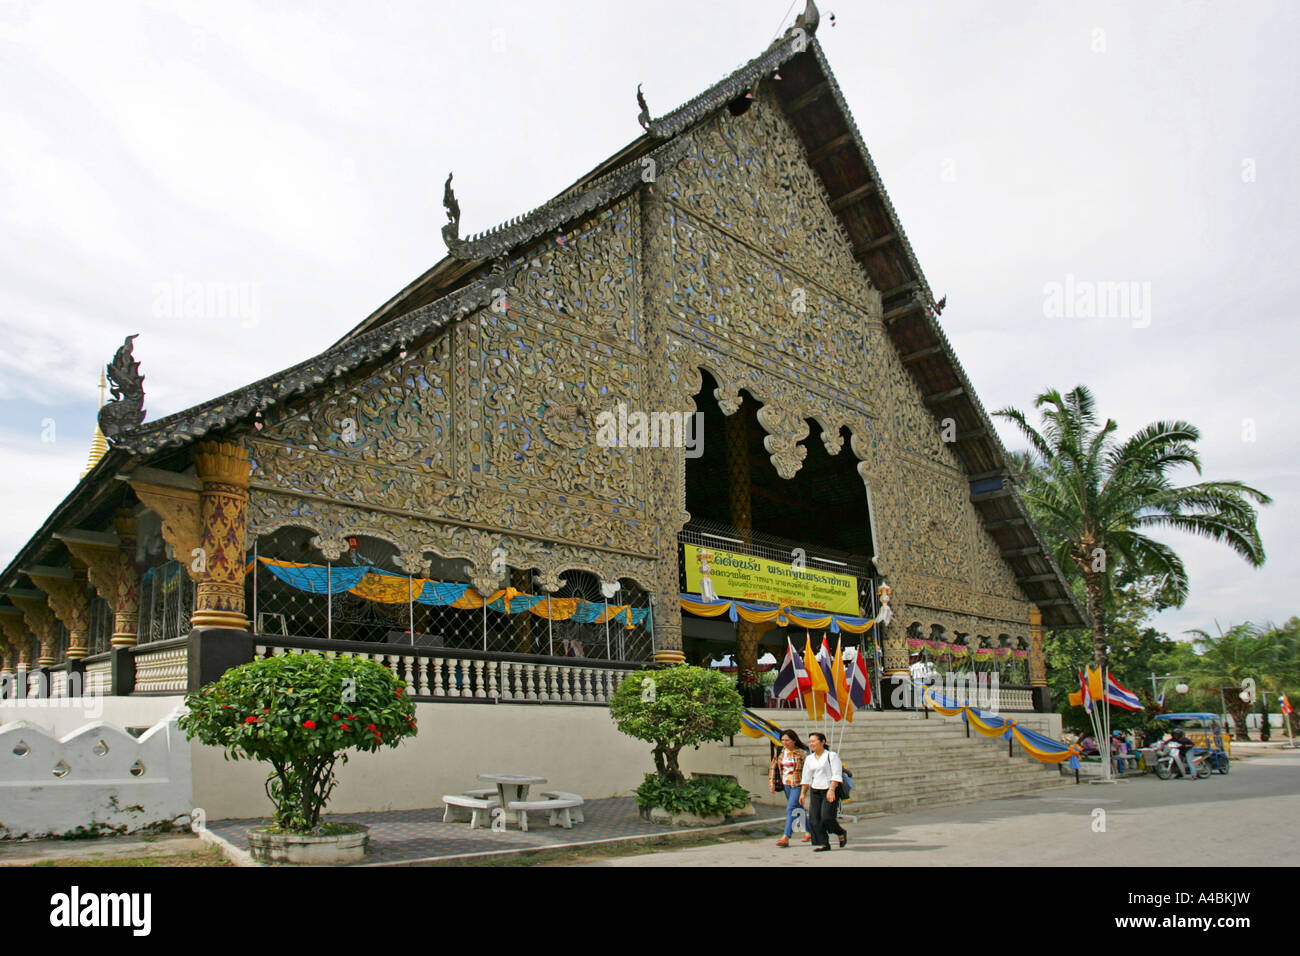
(753, 578)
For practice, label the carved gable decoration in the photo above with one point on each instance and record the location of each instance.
(759, 270)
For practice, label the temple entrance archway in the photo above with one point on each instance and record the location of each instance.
(818, 519)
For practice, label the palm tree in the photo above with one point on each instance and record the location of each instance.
(1094, 496)
(1221, 665)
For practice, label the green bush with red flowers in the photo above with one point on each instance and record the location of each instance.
(301, 713)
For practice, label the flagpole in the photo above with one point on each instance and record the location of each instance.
(789, 649)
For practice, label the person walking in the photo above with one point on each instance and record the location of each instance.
(785, 773)
(823, 774)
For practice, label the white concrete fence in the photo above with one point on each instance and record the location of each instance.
(97, 777)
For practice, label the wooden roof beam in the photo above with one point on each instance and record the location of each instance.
(913, 286)
(994, 473)
(1036, 578)
(990, 495)
(912, 357)
(1001, 523)
(971, 433)
(874, 245)
(825, 149)
(852, 196)
(808, 96)
(1022, 553)
(894, 314)
(938, 398)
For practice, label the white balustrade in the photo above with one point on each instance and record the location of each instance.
(162, 670)
(98, 678)
(456, 677)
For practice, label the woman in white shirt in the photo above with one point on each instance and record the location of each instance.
(822, 776)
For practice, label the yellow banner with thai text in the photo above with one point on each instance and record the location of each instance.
(715, 574)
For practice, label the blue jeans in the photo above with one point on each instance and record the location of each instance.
(791, 803)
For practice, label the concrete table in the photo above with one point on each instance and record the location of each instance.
(511, 787)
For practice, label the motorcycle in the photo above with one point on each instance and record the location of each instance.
(1166, 769)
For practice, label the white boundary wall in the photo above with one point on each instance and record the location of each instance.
(55, 778)
(577, 749)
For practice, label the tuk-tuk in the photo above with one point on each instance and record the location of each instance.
(1206, 731)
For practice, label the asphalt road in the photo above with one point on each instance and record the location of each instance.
(1246, 818)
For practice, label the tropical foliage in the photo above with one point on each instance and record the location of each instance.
(1247, 657)
(1096, 498)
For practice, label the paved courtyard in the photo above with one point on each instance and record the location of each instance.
(410, 836)
(1244, 819)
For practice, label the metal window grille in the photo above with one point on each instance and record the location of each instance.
(281, 609)
(167, 597)
(100, 627)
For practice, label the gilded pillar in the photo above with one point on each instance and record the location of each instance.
(69, 597)
(110, 568)
(223, 514)
(668, 387)
(37, 614)
(742, 519)
(1037, 663)
(18, 636)
(126, 606)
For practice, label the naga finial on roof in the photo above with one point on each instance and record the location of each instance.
(126, 408)
(451, 231)
(808, 20)
(644, 116)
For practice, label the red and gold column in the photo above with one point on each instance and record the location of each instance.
(69, 597)
(1038, 662)
(126, 606)
(223, 513)
(40, 619)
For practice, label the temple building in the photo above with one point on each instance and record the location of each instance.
(699, 402)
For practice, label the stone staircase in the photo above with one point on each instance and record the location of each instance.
(900, 759)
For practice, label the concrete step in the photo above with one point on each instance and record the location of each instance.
(904, 760)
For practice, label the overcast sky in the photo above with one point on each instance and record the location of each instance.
(291, 157)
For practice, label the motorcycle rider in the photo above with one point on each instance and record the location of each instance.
(1181, 746)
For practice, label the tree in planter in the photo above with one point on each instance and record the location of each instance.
(301, 713)
(674, 708)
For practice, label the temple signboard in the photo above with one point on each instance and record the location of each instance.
(715, 574)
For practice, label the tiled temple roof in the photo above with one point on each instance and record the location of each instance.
(812, 98)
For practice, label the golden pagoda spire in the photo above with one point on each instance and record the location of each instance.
(98, 443)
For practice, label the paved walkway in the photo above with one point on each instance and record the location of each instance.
(1244, 819)
(408, 836)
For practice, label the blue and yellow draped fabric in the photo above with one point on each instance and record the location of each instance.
(386, 587)
(1039, 746)
(752, 725)
(783, 615)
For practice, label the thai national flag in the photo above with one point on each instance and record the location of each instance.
(787, 678)
(1087, 695)
(826, 661)
(1160, 701)
(1119, 695)
(859, 685)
